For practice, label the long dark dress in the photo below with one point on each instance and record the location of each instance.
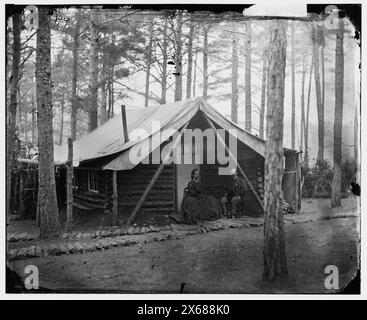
(196, 205)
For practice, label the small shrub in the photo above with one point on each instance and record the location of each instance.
(349, 171)
(318, 180)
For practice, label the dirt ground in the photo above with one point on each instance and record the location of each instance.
(227, 261)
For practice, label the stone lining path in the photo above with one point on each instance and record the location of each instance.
(82, 242)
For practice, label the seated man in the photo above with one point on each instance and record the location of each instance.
(235, 191)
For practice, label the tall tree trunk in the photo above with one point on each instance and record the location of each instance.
(74, 81)
(47, 201)
(12, 108)
(195, 72)
(356, 134)
(19, 111)
(293, 123)
(338, 116)
(21, 194)
(320, 110)
(109, 89)
(248, 104)
(93, 73)
(275, 264)
(178, 58)
(34, 122)
(69, 187)
(306, 158)
(148, 63)
(205, 64)
(26, 125)
(263, 93)
(164, 65)
(62, 119)
(234, 102)
(323, 75)
(105, 75)
(33, 129)
(112, 92)
(303, 100)
(103, 103)
(189, 60)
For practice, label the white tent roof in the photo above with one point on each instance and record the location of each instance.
(108, 139)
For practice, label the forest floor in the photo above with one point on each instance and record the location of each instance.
(225, 261)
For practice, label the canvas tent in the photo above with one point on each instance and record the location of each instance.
(106, 178)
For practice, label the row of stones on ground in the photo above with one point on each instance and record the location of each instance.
(17, 237)
(305, 219)
(142, 230)
(107, 233)
(108, 242)
(125, 240)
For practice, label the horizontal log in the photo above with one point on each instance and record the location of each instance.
(156, 210)
(89, 204)
(79, 206)
(147, 203)
(94, 194)
(164, 187)
(139, 192)
(160, 201)
(143, 172)
(88, 198)
(145, 180)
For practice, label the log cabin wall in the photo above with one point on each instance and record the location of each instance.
(83, 197)
(132, 183)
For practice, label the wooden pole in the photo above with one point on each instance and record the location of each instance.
(21, 193)
(298, 184)
(114, 198)
(155, 177)
(124, 123)
(238, 165)
(69, 187)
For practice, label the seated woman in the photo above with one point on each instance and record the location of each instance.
(196, 205)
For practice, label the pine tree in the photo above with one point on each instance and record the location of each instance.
(205, 62)
(234, 100)
(75, 48)
(248, 104)
(293, 124)
(189, 58)
(12, 107)
(148, 62)
(164, 63)
(47, 209)
(275, 264)
(306, 158)
(263, 88)
(338, 115)
(93, 72)
(178, 57)
(320, 110)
